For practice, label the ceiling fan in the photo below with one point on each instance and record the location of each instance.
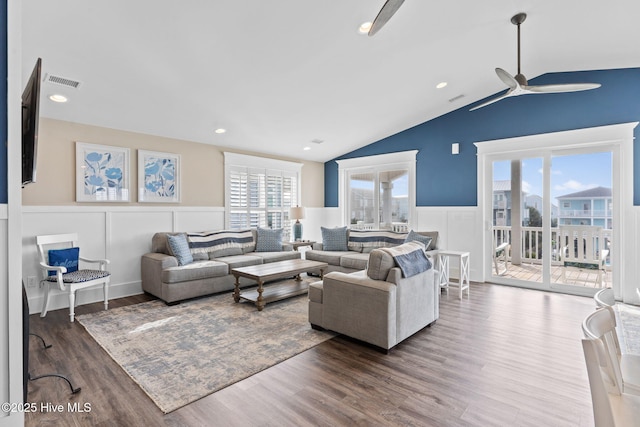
(518, 85)
(389, 8)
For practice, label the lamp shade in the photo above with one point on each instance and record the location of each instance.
(297, 212)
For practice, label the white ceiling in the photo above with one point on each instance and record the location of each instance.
(280, 73)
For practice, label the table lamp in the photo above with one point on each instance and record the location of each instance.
(297, 213)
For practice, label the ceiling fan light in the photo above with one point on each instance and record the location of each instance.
(364, 27)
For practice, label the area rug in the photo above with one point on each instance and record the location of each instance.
(629, 316)
(181, 353)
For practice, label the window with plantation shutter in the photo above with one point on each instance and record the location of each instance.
(259, 192)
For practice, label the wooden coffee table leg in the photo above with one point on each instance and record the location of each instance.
(260, 301)
(236, 292)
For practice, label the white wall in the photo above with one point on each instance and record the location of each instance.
(120, 234)
(457, 230)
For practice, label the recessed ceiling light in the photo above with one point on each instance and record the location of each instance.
(220, 130)
(307, 148)
(441, 85)
(364, 28)
(58, 98)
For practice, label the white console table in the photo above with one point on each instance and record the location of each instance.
(443, 270)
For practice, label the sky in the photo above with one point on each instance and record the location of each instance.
(569, 174)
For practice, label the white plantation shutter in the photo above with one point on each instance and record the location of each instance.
(260, 191)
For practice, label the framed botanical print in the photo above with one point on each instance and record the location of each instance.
(158, 177)
(102, 173)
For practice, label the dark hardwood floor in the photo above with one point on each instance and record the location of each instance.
(505, 357)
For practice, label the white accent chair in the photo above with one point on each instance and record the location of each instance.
(622, 370)
(609, 410)
(604, 298)
(73, 281)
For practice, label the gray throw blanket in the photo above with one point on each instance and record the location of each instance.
(410, 258)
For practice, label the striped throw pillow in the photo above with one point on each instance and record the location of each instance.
(211, 241)
(365, 240)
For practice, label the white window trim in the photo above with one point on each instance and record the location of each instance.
(255, 162)
(399, 160)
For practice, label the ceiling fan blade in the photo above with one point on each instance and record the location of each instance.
(560, 88)
(507, 78)
(388, 10)
(496, 99)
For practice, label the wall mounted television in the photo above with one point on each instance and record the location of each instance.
(30, 118)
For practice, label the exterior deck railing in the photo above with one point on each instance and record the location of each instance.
(531, 238)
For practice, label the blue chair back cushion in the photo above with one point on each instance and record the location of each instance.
(64, 258)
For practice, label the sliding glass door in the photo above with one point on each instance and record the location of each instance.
(551, 209)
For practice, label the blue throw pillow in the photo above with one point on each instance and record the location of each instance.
(64, 258)
(334, 239)
(416, 237)
(269, 240)
(179, 247)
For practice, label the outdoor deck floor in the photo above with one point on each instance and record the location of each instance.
(533, 273)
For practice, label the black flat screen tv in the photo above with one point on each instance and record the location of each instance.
(30, 118)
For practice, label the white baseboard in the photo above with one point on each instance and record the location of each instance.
(60, 300)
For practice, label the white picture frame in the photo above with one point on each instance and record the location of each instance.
(158, 177)
(102, 173)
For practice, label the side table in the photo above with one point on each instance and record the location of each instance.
(443, 270)
(300, 243)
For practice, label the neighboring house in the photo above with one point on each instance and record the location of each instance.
(502, 204)
(588, 207)
(535, 201)
(362, 207)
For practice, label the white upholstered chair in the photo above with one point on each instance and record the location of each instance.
(66, 281)
(609, 409)
(622, 369)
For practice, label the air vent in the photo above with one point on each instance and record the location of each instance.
(62, 81)
(317, 141)
(455, 98)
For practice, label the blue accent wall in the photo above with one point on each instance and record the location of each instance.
(3, 99)
(444, 179)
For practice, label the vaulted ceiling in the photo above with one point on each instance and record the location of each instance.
(279, 74)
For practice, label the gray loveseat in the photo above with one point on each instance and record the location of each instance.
(210, 272)
(354, 252)
(378, 305)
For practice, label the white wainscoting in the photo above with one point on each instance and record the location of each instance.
(458, 230)
(120, 234)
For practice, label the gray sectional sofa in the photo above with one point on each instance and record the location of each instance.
(354, 251)
(210, 271)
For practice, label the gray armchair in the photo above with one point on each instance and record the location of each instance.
(378, 305)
